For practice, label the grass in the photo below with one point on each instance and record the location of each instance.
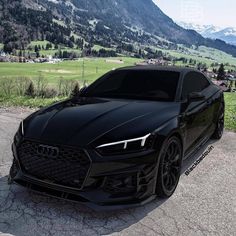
(202, 54)
(23, 101)
(51, 52)
(98, 47)
(93, 69)
(230, 111)
(41, 43)
(59, 22)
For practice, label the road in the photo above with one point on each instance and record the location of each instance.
(203, 204)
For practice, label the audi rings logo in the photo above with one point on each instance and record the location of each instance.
(48, 151)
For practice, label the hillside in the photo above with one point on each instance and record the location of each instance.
(83, 23)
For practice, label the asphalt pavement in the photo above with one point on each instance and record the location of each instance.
(203, 204)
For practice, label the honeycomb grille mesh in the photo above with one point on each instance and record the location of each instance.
(70, 167)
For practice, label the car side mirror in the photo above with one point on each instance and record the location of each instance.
(195, 97)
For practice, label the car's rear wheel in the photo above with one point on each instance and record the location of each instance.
(169, 169)
(219, 125)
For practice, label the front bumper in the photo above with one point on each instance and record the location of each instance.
(111, 182)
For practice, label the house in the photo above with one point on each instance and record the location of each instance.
(2, 54)
(210, 74)
(223, 84)
(158, 62)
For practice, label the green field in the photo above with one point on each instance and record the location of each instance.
(23, 101)
(98, 47)
(51, 52)
(204, 55)
(59, 22)
(230, 111)
(201, 54)
(41, 43)
(93, 69)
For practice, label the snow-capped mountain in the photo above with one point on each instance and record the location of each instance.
(199, 28)
(214, 32)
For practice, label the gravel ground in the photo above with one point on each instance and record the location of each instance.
(203, 204)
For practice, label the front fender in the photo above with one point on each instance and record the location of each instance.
(167, 130)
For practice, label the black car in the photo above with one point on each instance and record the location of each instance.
(122, 140)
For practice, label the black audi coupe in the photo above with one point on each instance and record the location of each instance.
(121, 141)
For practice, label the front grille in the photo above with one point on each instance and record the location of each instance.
(69, 167)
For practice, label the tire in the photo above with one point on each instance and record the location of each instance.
(219, 130)
(169, 168)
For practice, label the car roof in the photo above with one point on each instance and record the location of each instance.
(160, 68)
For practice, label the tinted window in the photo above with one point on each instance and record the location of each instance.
(136, 84)
(194, 82)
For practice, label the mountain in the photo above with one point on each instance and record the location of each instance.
(210, 31)
(120, 23)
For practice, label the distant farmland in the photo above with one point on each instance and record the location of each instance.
(88, 69)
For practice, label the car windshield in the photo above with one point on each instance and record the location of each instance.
(136, 84)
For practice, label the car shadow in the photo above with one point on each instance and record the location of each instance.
(23, 212)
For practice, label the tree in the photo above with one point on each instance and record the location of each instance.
(7, 48)
(221, 72)
(72, 39)
(30, 91)
(48, 46)
(65, 54)
(36, 48)
(20, 53)
(159, 54)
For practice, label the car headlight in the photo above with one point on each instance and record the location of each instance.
(127, 146)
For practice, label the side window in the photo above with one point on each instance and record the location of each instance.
(193, 82)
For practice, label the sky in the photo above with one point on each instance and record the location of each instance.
(204, 12)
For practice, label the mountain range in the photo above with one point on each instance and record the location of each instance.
(104, 22)
(227, 34)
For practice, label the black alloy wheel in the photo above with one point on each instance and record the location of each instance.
(169, 168)
(219, 125)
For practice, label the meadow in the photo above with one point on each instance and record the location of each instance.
(84, 70)
(204, 55)
(230, 111)
(87, 69)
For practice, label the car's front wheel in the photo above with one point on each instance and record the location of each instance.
(169, 169)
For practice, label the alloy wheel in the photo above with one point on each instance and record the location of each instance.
(171, 166)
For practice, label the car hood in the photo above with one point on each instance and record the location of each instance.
(86, 120)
